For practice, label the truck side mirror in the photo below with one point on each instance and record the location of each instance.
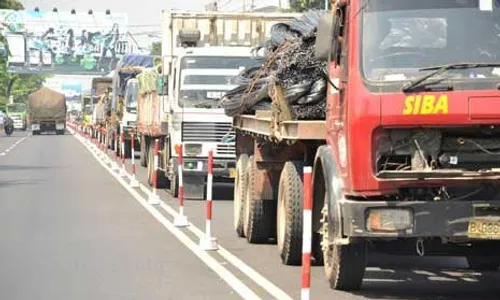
(327, 43)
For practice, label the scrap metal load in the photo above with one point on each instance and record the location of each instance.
(289, 64)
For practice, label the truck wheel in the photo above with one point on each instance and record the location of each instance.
(144, 152)
(161, 178)
(128, 149)
(258, 212)
(344, 264)
(174, 184)
(240, 190)
(289, 220)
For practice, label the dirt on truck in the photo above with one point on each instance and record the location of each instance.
(47, 111)
(397, 115)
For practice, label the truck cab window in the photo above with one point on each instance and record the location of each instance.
(401, 37)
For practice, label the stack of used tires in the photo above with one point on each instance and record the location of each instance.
(289, 60)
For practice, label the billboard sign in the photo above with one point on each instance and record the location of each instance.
(62, 42)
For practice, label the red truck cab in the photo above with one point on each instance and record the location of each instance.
(412, 161)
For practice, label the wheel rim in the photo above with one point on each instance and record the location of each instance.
(281, 221)
(325, 243)
(237, 200)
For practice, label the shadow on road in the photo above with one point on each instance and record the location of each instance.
(9, 183)
(427, 278)
(19, 167)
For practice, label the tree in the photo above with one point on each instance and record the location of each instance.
(303, 5)
(17, 85)
(156, 48)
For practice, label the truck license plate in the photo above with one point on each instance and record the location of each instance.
(482, 229)
(232, 173)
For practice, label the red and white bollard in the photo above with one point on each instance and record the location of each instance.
(306, 235)
(207, 242)
(154, 199)
(133, 180)
(123, 170)
(180, 220)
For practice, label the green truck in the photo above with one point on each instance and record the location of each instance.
(17, 112)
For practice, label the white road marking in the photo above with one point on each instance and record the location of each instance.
(12, 146)
(237, 285)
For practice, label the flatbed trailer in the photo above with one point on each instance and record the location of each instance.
(271, 149)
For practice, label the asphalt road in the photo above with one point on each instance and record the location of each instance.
(72, 230)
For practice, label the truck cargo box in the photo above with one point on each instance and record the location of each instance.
(46, 104)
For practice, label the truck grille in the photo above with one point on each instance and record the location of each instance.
(205, 132)
(226, 149)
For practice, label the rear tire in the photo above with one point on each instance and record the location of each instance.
(174, 184)
(144, 152)
(160, 175)
(289, 220)
(258, 213)
(240, 190)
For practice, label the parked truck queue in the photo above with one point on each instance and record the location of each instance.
(400, 133)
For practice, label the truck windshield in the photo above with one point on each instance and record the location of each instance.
(204, 80)
(131, 94)
(402, 36)
(218, 62)
(16, 108)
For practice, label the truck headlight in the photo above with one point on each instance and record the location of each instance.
(192, 149)
(389, 219)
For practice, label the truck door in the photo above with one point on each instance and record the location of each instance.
(337, 99)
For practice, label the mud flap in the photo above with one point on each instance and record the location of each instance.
(194, 187)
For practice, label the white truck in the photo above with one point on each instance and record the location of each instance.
(202, 52)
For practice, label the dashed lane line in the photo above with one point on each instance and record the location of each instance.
(6, 151)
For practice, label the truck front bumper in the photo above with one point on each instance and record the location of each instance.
(411, 219)
(222, 167)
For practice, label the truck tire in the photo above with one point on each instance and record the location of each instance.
(483, 263)
(174, 185)
(128, 149)
(258, 213)
(289, 214)
(344, 264)
(144, 152)
(161, 178)
(240, 190)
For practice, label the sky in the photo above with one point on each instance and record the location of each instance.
(144, 21)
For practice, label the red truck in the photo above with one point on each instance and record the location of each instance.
(407, 160)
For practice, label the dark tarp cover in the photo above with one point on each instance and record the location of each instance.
(121, 74)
